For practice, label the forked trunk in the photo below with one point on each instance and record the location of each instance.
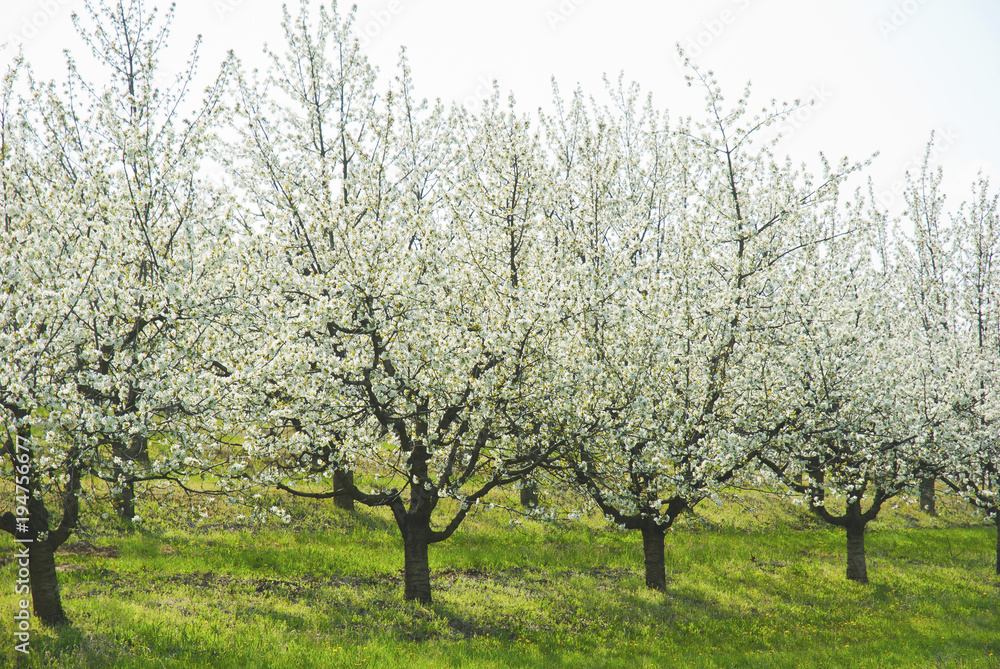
(857, 567)
(652, 549)
(341, 482)
(927, 495)
(45, 584)
(416, 572)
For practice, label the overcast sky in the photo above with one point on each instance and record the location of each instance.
(884, 73)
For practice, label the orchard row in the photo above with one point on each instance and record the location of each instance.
(309, 273)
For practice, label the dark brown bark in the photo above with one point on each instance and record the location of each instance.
(137, 451)
(41, 554)
(927, 495)
(997, 517)
(652, 551)
(42, 577)
(124, 498)
(416, 568)
(857, 567)
(653, 533)
(45, 584)
(529, 495)
(342, 484)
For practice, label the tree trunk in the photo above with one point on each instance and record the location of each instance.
(927, 495)
(997, 517)
(857, 567)
(45, 584)
(417, 571)
(341, 498)
(124, 499)
(137, 451)
(529, 495)
(43, 580)
(652, 549)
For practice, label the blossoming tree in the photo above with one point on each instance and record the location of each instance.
(871, 381)
(977, 246)
(412, 291)
(113, 266)
(684, 241)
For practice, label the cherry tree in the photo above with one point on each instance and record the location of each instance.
(312, 159)
(952, 290)
(410, 297)
(872, 382)
(613, 167)
(930, 271)
(838, 359)
(684, 237)
(116, 252)
(40, 263)
(977, 247)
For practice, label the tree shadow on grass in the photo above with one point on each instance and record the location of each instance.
(596, 608)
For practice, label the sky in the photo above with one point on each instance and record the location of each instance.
(883, 74)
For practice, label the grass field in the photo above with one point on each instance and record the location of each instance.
(754, 583)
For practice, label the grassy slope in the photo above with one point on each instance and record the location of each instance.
(754, 583)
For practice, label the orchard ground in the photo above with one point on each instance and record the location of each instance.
(755, 582)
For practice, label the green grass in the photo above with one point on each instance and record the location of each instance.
(753, 583)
